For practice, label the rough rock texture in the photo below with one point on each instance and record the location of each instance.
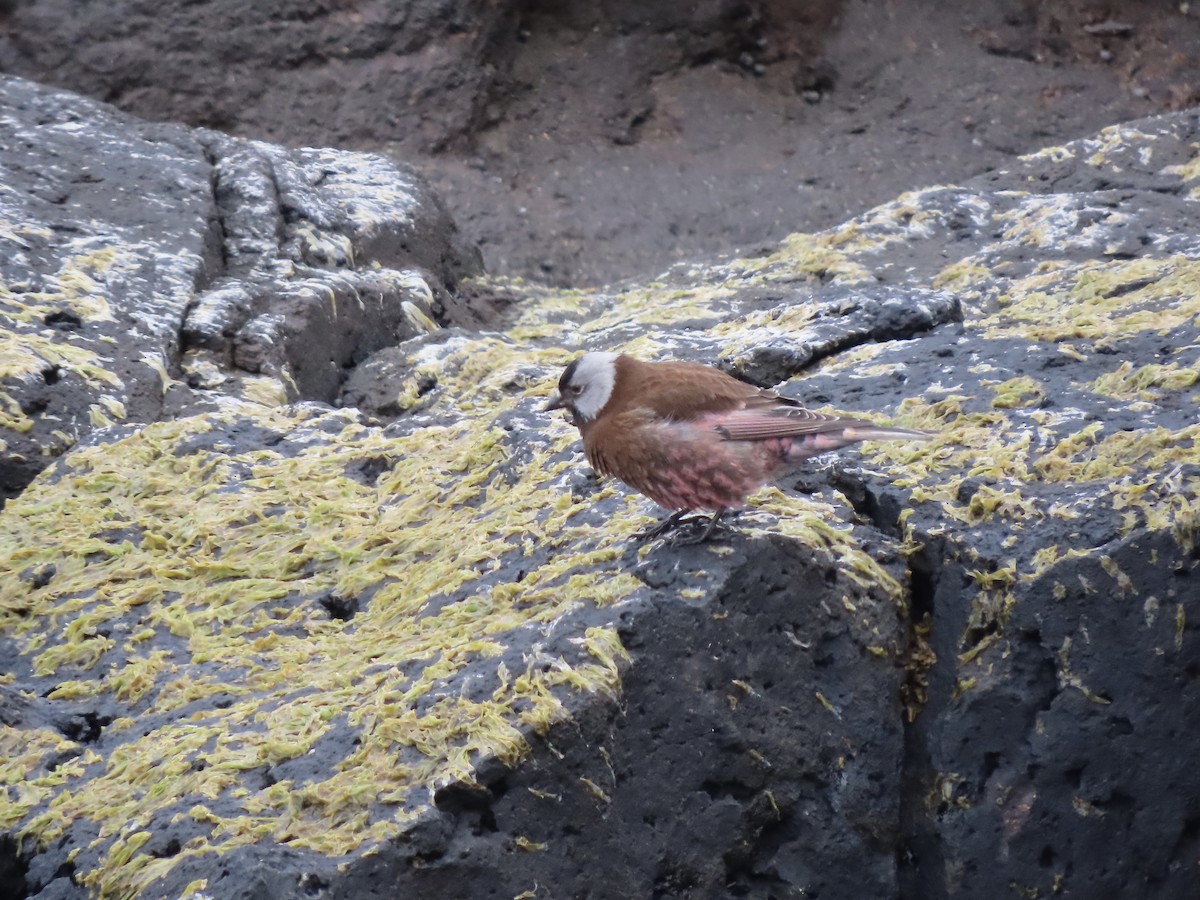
(584, 143)
(146, 265)
(293, 651)
(302, 72)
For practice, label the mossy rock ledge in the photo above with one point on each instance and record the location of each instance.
(271, 632)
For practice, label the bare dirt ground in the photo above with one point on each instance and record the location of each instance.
(596, 167)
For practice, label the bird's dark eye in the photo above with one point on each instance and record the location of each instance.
(576, 389)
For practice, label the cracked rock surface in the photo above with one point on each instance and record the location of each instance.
(405, 646)
(145, 266)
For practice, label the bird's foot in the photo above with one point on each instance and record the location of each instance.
(691, 529)
(714, 530)
(670, 523)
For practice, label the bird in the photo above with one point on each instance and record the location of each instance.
(690, 436)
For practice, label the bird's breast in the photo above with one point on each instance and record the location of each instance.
(681, 465)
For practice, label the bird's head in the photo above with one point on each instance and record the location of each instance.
(586, 386)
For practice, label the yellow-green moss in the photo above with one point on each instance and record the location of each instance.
(962, 276)
(1084, 456)
(827, 257)
(1149, 382)
(86, 278)
(1017, 392)
(1101, 300)
(223, 569)
(21, 752)
(1185, 172)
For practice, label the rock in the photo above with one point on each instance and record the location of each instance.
(627, 135)
(517, 629)
(148, 264)
(289, 650)
(320, 74)
(428, 75)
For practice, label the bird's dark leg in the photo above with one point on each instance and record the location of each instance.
(680, 519)
(714, 523)
(670, 522)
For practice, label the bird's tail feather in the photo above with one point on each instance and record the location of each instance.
(879, 433)
(809, 445)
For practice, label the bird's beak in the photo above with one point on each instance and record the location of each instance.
(554, 403)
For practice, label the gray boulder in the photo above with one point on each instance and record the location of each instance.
(150, 270)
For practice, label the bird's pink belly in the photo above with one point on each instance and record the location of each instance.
(716, 475)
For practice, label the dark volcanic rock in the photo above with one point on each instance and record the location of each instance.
(1070, 762)
(424, 74)
(302, 73)
(750, 723)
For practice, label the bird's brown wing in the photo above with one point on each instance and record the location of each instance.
(682, 391)
(777, 421)
(763, 400)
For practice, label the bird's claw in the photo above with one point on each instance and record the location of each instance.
(670, 523)
(682, 520)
